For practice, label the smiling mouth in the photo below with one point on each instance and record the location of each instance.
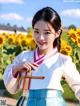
(42, 43)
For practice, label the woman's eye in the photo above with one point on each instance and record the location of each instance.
(36, 32)
(47, 32)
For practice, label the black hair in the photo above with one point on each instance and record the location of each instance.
(49, 15)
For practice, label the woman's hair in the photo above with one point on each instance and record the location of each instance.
(49, 15)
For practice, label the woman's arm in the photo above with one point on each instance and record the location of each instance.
(9, 80)
(72, 76)
(21, 64)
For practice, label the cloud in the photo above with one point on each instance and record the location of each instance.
(15, 16)
(11, 16)
(12, 1)
(75, 13)
(28, 19)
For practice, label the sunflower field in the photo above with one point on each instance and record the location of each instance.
(70, 45)
(12, 44)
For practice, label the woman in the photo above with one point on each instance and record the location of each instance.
(45, 61)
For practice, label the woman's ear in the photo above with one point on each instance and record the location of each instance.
(58, 33)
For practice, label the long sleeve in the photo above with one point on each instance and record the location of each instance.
(9, 81)
(72, 76)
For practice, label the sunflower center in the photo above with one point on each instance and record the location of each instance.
(1, 40)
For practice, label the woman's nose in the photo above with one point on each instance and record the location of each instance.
(41, 37)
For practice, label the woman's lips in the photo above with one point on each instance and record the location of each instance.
(42, 43)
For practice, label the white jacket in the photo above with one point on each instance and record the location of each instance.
(53, 69)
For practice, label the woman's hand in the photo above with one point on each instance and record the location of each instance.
(27, 66)
(24, 67)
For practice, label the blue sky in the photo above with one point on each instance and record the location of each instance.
(20, 12)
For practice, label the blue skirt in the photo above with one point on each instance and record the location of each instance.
(45, 97)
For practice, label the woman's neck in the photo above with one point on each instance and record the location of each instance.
(45, 51)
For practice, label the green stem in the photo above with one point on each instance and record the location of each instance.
(1, 59)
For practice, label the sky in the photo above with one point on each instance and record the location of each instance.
(21, 12)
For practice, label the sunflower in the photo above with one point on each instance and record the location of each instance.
(78, 41)
(30, 36)
(19, 39)
(28, 39)
(23, 42)
(71, 31)
(11, 39)
(2, 40)
(63, 43)
(78, 32)
(6, 35)
(68, 49)
(62, 50)
(33, 44)
(72, 34)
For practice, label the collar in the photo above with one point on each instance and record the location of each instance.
(39, 60)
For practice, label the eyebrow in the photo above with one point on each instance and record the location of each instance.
(44, 29)
(36, 29)
(47, 30)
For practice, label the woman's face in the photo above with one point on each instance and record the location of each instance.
(44, 35)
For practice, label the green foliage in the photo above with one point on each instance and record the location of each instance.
(64, 35)
(68, 93)
(7, 54)
(15, 96)
(2, 84)
(72, 27)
